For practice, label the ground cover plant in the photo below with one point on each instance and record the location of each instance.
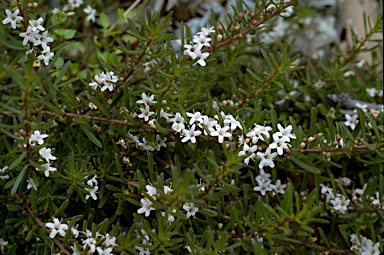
(126, 131)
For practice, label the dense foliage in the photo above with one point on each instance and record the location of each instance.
(119, 137)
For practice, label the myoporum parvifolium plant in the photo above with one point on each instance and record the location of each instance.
(119, 137)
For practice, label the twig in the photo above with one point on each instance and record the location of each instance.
(42, 225)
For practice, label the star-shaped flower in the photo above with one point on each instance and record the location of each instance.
(146, 207)
(12, 17)
(191, 209)
(37, 137)
(267, 158)
(56, 227)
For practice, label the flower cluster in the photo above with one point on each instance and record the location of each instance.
(146, 241)
(32, 35)
(365, 246)
(107, 80)
(91, 243)
(92, 191)
(194, 49)
(264, 184)
(280, 143)
(45, 153)
(147, 204)
(339, 202)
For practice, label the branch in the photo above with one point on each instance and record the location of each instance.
(42, 225)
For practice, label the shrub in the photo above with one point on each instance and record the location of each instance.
(119, 137)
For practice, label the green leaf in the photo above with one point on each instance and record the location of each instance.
(91, 135)
(53, 108)
(105, 22)
(11, 109)
(100, 106)
(18, 180)
(65, 33)
(61, 209)
(312, 125)
(305, 166)
(18, 160)
(62, 72)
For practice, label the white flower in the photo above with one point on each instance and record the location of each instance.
(91, 243)
(190, 134)
(287, 11)
(31, 184)
(340, 204)
(152, 191)
(171, 218)
(201, 41)
(43, 40)
(278, 144)
(100, 79)
(3, 244)
(75, 232)
(109, 240)
(107, 251)
(167, 189)
(206, 31)
(349, 73)
(267, 158)
(257, 133)
(46, 55)
(221, 132)
(12, 17)
(46, 154)
(191, 50)
(146, 100)
(263, 177)
(202, 57)
(145, 113)
(209, 123)
(146, 207)
(178, 122)
(91, 14)
(160, 142)
(262, 187)
(56, 227)
(75, 3)
(285, 132)
(36, 24)
(109, 80)
(230, 121)
(92, 193)
(92, 105)
(279, 188)
(360, 64)
(2, 170)
(372, 92)
(246, 149)
(37, 137)
(92, 182)
(361, 191)
(164, 114)
(351, 120)
(201, 186)
(191, 209)
(326, 189)
(195, 117)
(47, 168)
(29, 35)
(145, 145)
